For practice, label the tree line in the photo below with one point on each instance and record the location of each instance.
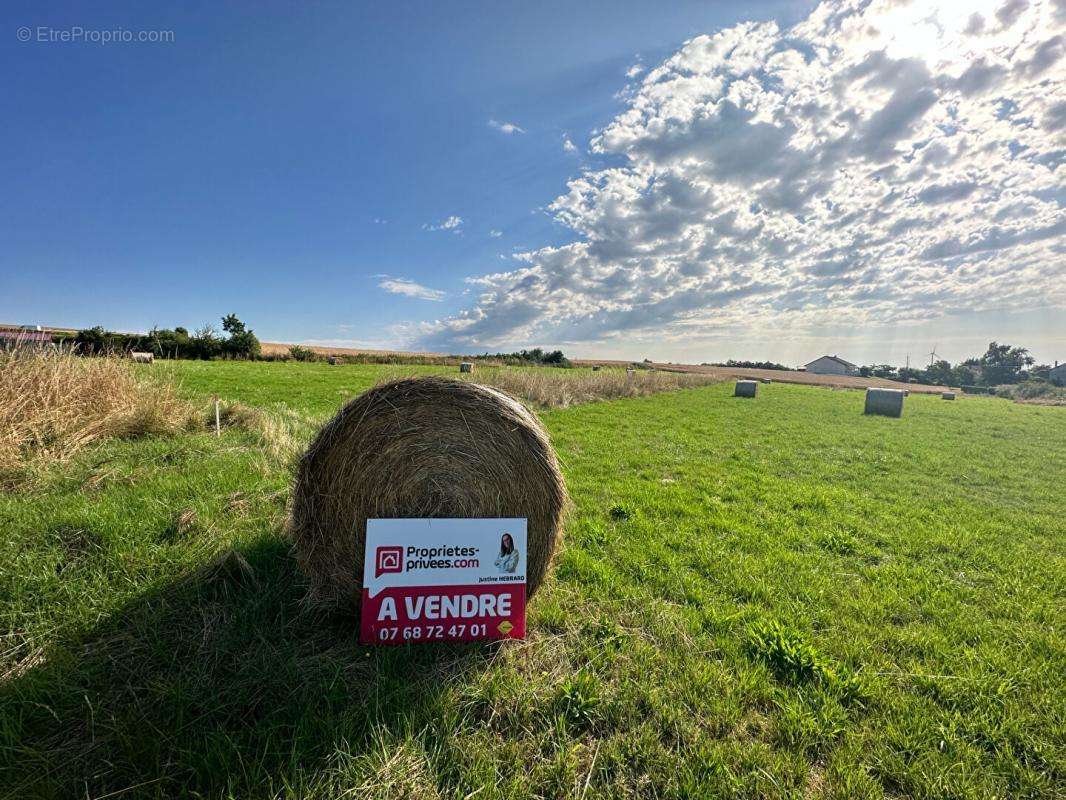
(235, 341)
(1000, 364)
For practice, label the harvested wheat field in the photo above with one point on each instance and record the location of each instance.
(760, 599)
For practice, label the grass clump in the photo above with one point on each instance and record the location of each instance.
(578, 699)
(53, 404)
(795, 661)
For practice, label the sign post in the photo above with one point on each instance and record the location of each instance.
(438, 580)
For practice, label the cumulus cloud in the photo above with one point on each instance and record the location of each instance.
(569, 146)
(452, 223)
(495, 234)
(409, 288)
(506, 127)
(880, 162)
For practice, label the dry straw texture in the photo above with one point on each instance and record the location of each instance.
(53, 403)
(561, 388)
(422, 447)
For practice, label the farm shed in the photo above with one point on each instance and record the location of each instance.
(831, 365)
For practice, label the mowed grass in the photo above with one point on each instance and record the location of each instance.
(769, 598)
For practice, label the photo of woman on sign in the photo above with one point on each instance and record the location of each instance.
(507, 560)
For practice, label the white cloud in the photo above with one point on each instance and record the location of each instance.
(452, 223)
(634, 70)
(569, 146)
(409, 288)
(495, 234)
(505, 127)
(880, 163)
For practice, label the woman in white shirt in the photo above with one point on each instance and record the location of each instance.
(507, 560)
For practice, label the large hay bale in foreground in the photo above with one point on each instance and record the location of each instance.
(422, 447)
(745, 389)
(886, 402)
(947, 395)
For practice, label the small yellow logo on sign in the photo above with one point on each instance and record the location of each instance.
(504, 627)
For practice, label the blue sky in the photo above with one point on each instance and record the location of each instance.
(364, 174)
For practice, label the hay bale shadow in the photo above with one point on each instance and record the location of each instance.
(215, 684)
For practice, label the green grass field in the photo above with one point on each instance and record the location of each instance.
(770, 598)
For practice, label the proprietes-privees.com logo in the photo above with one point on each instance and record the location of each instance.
(394, 558)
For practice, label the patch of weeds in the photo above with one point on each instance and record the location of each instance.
(794, 661)
(620, 513)
(604, 632)
(838, 542)
(578, 699)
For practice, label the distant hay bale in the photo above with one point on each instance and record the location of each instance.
(947, 395)
(142, 358)
(334, 361)
(466, 366)
(745, 389)
(886, 402)
(767, 380)
(596, 368)
(422, 447)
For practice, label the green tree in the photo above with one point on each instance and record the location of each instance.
(242, 342)
(1003, 363)
(205, 343)
(940, 372)
(91, 341)
(232, 325)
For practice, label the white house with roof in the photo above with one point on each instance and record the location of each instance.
(831, 365)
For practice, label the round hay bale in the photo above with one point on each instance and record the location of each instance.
(886, 402)
(422, 447)
(466, 366)
(745, 389)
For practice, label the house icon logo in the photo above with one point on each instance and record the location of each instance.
(388, 559)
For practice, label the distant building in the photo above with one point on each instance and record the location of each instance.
(23, 336)
(832, 365)
(1057, 374)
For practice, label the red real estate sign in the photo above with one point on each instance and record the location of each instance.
(436, 580)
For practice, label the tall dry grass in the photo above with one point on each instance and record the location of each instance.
(561, 388)
(282, 433)
(53, 403)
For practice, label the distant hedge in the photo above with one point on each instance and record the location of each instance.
(203, 344)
